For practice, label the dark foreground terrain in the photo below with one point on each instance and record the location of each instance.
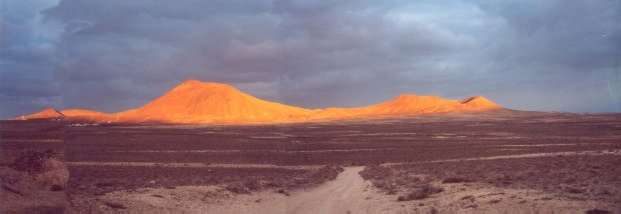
(416, 163)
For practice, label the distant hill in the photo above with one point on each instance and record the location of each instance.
(194, 101)
(48, 113)
(410, 104)
(86, 114)
(198, 102)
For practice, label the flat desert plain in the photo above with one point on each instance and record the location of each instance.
(493, 162)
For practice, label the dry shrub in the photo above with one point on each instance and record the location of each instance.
(45, 167)
(597, 211)
(311, 178)
(241, 187)
(32, 161)
(420, 193)
(376, 172)
(455, 180)
(115, 205)
(325, 173)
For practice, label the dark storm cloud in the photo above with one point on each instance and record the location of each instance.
(111, 55)
(563, 52)
(27, 58)
(584, 35)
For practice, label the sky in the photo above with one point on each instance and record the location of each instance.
(552, 55)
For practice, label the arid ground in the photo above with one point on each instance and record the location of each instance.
(495, 162)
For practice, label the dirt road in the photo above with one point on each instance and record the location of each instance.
(348, 193)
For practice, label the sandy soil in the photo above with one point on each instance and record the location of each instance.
(349, 193)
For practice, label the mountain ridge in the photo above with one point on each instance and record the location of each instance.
(194, 101)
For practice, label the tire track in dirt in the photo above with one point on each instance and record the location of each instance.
(348, 193)
(343, 195)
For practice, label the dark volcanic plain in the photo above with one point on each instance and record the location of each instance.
(569, 156)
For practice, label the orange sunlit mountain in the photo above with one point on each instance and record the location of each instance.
(48, 113)
(205, 102)
(86, 114)
(197, 102)
(410, 104)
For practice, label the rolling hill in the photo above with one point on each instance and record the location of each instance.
(194, 101)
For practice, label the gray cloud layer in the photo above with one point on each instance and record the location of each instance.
(111, 55)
